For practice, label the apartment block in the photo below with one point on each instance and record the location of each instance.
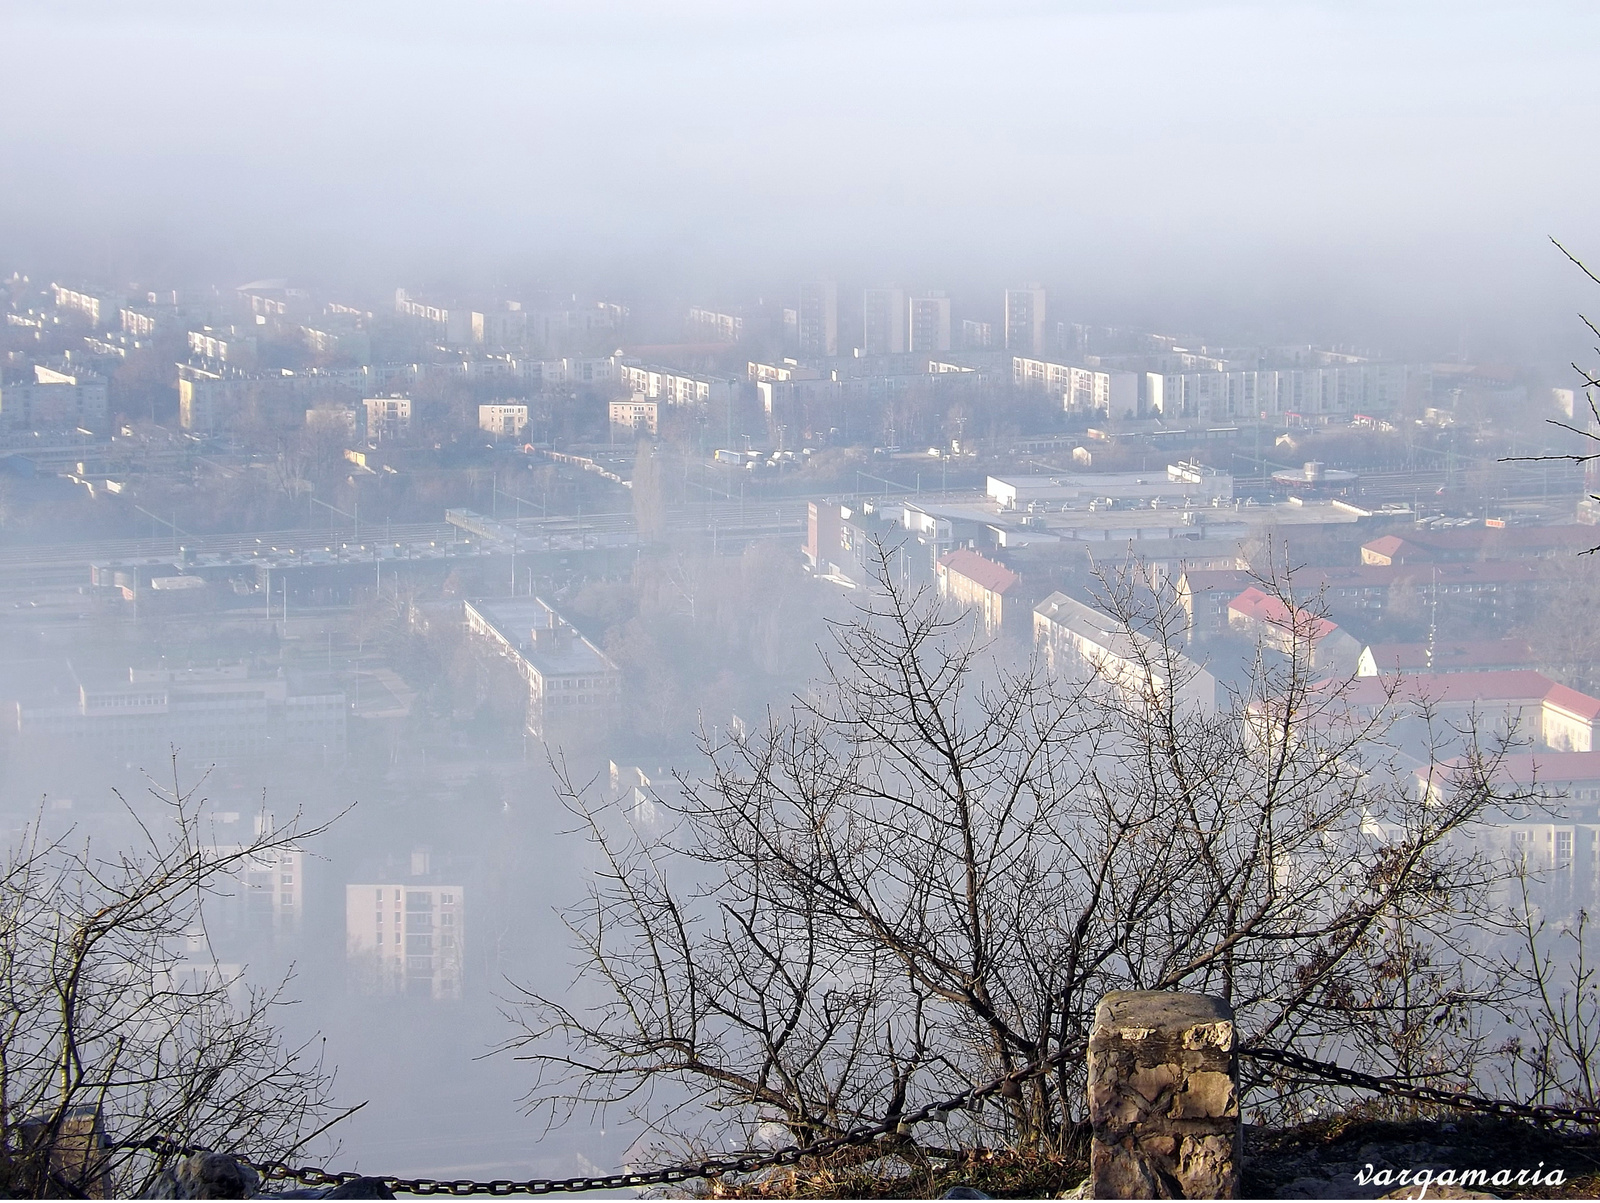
(55, 400)
(573, 687)
(928, 324)
(817, 319)
(210, 714)
(503, 419)
(1024, 326)
(883, 321)
(405, 938)
(677, 388)
(635, 415)
(387, 417)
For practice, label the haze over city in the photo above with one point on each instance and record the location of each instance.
(551, 514)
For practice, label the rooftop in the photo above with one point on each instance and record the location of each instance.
(996, 578)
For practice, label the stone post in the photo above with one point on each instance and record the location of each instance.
(1163, 1097)
(71, 1148)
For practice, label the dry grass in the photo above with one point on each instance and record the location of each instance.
(998, 1173)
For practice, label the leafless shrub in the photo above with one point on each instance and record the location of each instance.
(930, 868)
(111, 1001)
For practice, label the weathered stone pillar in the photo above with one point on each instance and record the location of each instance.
(1163, 1097)
(71, 1148)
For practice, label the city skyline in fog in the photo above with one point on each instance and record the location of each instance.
(1343, 172)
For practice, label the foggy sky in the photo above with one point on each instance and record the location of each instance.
(1361, 164)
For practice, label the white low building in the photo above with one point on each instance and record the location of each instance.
(1081, 642)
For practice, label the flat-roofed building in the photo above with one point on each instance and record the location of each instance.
(1025, 312)
(1181, 483)
(573, 687)
(210, 400)
(1083, 643)
(212, 714)
(1082, 390)
(405, 938)
(81, 303)
(503, 419)
(817, 319)
(928, 323)
(270, 886)
(883, 321)
(387, 417)
(55, 400)
(635, 415)
(677, 388)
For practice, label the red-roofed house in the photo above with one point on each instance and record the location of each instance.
(1560, 718)
(1259, 615)
(981, 585)
(1392, 549)
(1575, 775)
(1446, 656)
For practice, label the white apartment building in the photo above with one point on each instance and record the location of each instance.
(221, 345)
(1080, 643)
(928, 323)
(84, 304)
(1343, 390)
(271, 886)
(715, 327)
(387, 417)
(635, 415)
(138, 322)
(1024, 326)
(55, 400)
(1082, 390)
(209, 400)
(503, 419)
(212, 714)
(405, 938)
(677, 388)
(572, 685)
(883, 321)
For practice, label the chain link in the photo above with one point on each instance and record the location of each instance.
(745, 1163)
(1005, 1086)
(1406, 1088)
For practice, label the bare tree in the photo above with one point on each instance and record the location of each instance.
(112, 1002)
(932, 866)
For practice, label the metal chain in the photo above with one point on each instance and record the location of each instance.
(1405, 1088)
(1006, 1086)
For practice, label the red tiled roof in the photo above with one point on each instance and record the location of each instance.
(1524, 767)
(1385, 545)
(981, 570)
(1515, 540)
(1513, 685)
(1259, 606)
(1483, 655)
(1580, 705)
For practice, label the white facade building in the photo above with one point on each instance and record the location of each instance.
(677, 388)
(55, 400)
(503, 419)
(405, 938)
(1082, 390)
